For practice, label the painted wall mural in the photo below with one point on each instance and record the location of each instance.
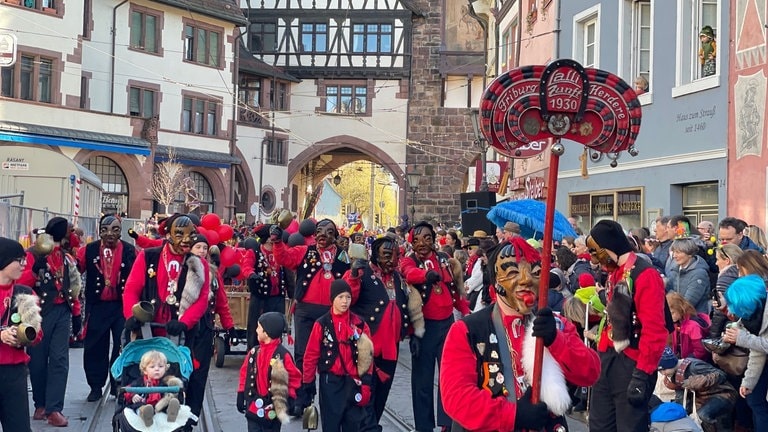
(750, 44)
(749, 104)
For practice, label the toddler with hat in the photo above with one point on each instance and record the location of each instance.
(268, 378)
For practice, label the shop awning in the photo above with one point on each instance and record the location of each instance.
(27, 133)
(194, 157)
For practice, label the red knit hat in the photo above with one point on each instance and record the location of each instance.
(586, 280)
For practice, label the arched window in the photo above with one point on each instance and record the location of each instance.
(115, 196)
(197, 196)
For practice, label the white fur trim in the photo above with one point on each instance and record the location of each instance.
(554, 392)
(193, 285)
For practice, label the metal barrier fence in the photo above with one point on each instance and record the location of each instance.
(17, 222)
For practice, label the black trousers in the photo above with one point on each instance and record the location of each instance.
(259, 305)
(104, 324)
(304, 319)
(14, 403)
(381, 388)
(613, 413)
(255, 426)
(423, 376)
(202, 351)
(49, 360)
(337, 412)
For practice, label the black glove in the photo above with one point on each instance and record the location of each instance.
(232, 271)
(415, 344)
(530, 416)
(175, 327)
(132, 324)
(357, 268)
(544, 326)
(276, 233)
(77, 324)
(241, 402)
(39, 264)
(639, 389)
(133, 234)
(432, 277)
(232, 334)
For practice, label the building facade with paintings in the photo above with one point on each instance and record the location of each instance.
(682, 143)
(746, 126)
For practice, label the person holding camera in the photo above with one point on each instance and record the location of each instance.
(18, 312)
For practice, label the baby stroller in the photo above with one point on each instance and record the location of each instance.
(126, 369)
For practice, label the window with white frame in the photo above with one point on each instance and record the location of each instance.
(586, 40)
(697, 56)
(642, 32)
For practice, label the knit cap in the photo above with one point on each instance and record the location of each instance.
(668, 359)
(339, 286)
(609, 235)
(10, 250)
(273, 324)
(586, 280)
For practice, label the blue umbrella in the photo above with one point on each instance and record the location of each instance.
(529, 214)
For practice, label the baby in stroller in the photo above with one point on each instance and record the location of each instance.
(152, 374)
(154, 370)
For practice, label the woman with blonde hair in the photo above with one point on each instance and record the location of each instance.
(753, 262)
(726, 256)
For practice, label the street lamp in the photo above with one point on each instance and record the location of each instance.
(481, 141)
(413, 185)
(337, 179)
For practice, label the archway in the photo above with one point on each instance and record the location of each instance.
(309, 168)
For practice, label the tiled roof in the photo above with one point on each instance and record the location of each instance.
(197, 155)
(249, 63)
(72, 134)
(227, 10)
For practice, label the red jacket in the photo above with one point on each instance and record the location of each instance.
(264, 353)
(459, 378)
(344, 364)
(221, 306)
(439, 306)
(145, 242)
(11, 355)
(319, 290)
(649, 302)
(135, 285)
(29, 278)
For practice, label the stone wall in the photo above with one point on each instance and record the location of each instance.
(438, 136)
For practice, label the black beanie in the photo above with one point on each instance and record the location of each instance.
(273, 324)
(10, 250)
(609, 235)
(57, 228)
(339, 286)
(199, 238)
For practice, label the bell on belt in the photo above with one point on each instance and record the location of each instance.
(171, 300)
(309, 418)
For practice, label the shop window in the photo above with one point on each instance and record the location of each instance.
(197, 195)
(115, 184)
(623, 206)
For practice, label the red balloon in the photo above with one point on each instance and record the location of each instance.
(213, 237)
(202, 231)
(225, 232)
(210, 221)
(228, 257)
